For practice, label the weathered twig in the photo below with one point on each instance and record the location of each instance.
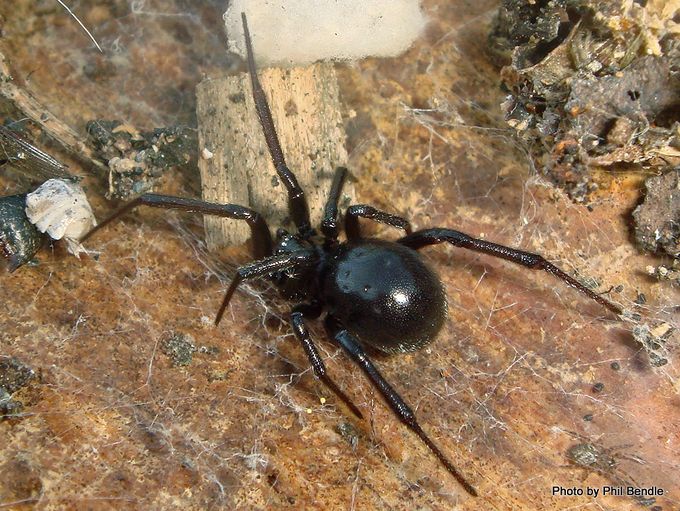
(234, 161)
(38, 113)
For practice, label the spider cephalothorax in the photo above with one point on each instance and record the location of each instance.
(374, 293)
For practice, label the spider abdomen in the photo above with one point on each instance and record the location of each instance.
(384, 294)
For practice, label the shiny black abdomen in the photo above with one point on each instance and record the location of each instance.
(384, 294)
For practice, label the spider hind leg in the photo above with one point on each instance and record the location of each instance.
(297, 319)
(405, 414)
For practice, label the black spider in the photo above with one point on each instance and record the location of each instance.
(374, 292)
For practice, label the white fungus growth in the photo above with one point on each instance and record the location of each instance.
(299, 32)
(60, 208)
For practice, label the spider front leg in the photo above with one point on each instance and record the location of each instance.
(262, 240)
(329, 223)
(435, 236)
(365, 211)
(405, 414)
(264, 267)
(301, 332)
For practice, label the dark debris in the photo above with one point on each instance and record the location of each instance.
(665, 272)
(137, 159)
(657, 219)
(605, 461)
(591, 456)
(349, 433)
(592, 83)
(654, 340)
(14, 375)
(525, 32)
(180, 348)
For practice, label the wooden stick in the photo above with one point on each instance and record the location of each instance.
(234, 162)
(40, 114)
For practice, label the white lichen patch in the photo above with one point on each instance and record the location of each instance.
(299, 32)
(60, 208)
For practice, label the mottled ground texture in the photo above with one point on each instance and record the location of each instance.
(124, 396)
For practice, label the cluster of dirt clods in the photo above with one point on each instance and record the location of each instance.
(594, 85)
(137, 159)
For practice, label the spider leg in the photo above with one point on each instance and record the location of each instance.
(364, 211)
(435, 236)
(262, 267)
(301, 332)
(297, 203)
(329, 223)
(405, 414)
(262, 240)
